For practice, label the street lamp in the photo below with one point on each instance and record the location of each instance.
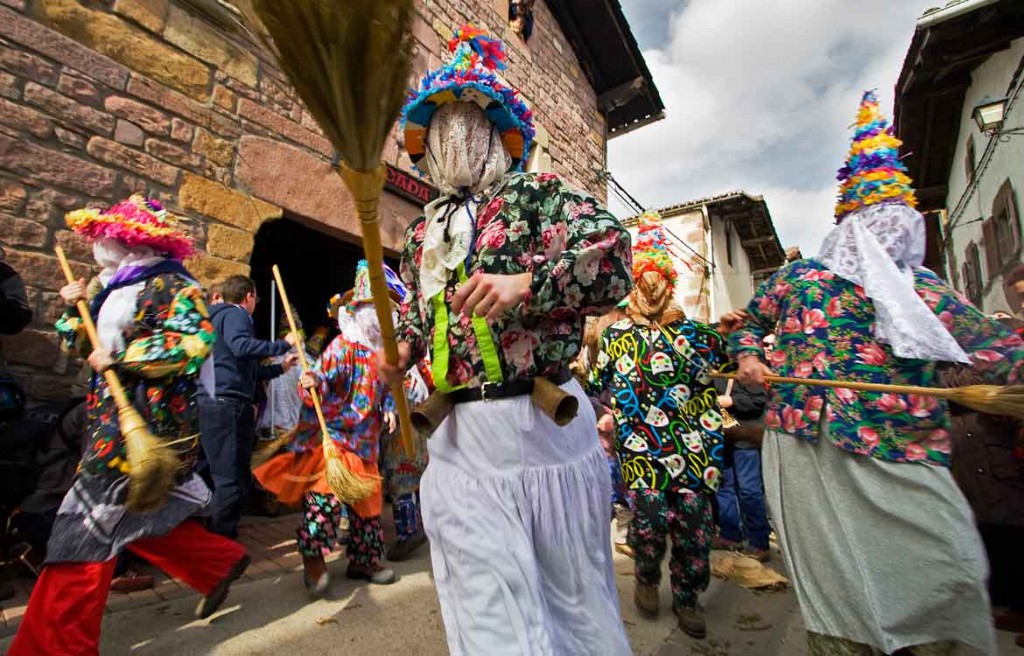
(989, 114)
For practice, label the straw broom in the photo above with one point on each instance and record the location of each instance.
(152, 463)
(1005, 400)
(349, 61)
(346, 485)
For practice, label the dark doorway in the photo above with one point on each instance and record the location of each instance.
(315, 266)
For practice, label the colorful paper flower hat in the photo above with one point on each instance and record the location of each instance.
(470, 76)
(873, 173)
(360, 292)
(137, 221)
(650, 250)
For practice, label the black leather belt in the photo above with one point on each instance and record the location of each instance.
(505, 390)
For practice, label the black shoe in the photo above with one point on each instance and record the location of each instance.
(402, 549)
(209, 604)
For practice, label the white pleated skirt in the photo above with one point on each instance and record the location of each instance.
(517, 511)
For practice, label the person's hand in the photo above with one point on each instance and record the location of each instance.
(490, 295)
(73, 292)
(292, 339)
(752, 371)
(390, 421)
(392, 374)
(725, 401)
(730, 322)
(308, 380)
(289, 361)
(100, 360)
(606, 423)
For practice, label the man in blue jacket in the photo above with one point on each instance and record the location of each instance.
(227, 416)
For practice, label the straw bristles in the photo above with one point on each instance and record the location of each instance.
(346, 485)
(991, 399)
(349, 61)
(269, 449)
(152, 463)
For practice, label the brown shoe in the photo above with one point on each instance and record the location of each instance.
(1019, 640)
(726, 545)
(132, 581)
(1012, 621)
(691, 622)
(315, 576)
(646, 599)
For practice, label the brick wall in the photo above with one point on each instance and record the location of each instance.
(103, 98)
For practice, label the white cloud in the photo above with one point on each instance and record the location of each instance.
(759, 96)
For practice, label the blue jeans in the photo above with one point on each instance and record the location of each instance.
(741, 507)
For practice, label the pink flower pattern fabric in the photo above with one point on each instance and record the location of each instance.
(824, 330)
(580, 259)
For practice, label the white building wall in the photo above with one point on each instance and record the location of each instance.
(732, 285)
(1007, 161)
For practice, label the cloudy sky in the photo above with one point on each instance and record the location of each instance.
(759, 96)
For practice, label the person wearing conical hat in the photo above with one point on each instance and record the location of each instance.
(156, 334)
(501, 271)
(357, 406)
(880, 542)
(654, 364)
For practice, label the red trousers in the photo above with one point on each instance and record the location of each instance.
(66, 607)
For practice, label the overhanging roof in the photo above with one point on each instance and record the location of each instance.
(612, 61)
(948, 44)
(753, 222)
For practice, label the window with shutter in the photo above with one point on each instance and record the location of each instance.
(990, 239)
(972, 273)
(1007, 221)
(970, 160)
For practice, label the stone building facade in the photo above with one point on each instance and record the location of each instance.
(100, 99)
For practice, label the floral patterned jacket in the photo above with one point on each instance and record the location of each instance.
(167, 344)
(669, 429)
(353, 399)
(823, 326)
(581, 262)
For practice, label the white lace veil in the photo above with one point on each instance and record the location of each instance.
(878, 247)
(119, 310)
(361, 325)
(465, 157)
(464, 149)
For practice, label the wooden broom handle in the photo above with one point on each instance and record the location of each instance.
(113, 382)
(944, 393)
(300, 349)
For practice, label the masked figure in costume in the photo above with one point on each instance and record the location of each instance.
(501, 271)
(880, 543)
(156, 334)
(356, 404)
(655, 364)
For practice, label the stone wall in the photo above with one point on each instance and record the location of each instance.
(103, 98)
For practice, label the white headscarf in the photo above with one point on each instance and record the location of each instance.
(465, 155)
(119, 310)
(878, 247)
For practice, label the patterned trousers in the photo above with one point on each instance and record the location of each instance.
(823, 645)
(318, 533)
(687, 520)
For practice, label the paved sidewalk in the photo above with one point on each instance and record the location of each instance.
(271, 544)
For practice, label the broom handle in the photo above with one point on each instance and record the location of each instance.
(302, 356)
(366, 188)
(113, 382)
(944, 393)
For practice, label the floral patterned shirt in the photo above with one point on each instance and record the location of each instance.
(823, 326)
(165, 348)
(669, 431)
(353, 398)
(581, 263)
